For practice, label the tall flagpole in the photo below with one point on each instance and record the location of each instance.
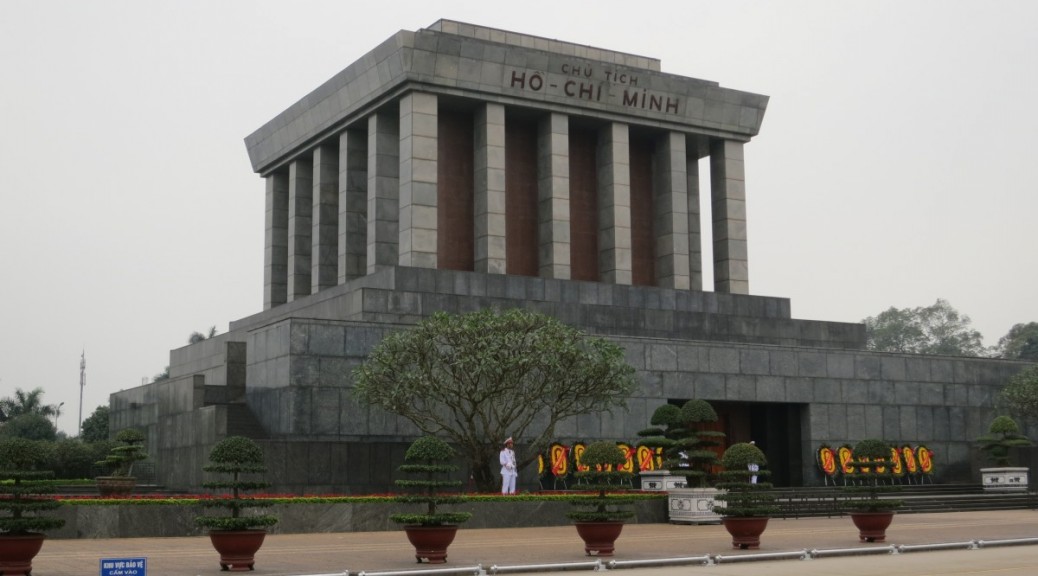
(82, 384)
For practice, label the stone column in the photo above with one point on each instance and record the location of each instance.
(728, 206)
(670, 218)
(300, 224)
(490, 189)
(695, 227)
(275, 241)
(553, 197)
(383, 190)
(418, 176)
(613, 158)
(325, 236)
(353, 205)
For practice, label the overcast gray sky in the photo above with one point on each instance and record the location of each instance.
(896, 162)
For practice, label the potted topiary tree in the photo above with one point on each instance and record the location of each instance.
(129, 449)
(22, 526)
(746, 504)
(1002, 437)
(873, 476)
(700, 441)
(236, 536)
(660, 437)
(688, 456)
(427, 461)
(602, 520)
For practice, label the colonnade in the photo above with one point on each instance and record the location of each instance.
(431, 183)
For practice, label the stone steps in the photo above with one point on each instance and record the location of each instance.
(827, 501)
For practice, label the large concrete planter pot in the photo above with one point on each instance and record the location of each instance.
(1005, 479)
(872, 526)
(17, 552)
(660, 481)
(431, 542)
(115, 486)
(237, 548)
(693, 506)
(599, 537)
(745, 530)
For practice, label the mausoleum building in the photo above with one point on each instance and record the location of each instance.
(459, 167)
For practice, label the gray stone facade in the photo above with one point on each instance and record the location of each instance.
(358, 199)
(724, 348)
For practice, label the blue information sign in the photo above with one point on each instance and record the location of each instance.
(124, 567)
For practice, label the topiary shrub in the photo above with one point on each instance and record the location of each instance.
(235, 455)
(427, 462)
(665, 426)
(1003, 435)
(741, 497)
(129, 449)
(700, 443)
(23, 489)
(685, 442)
(873, 476)
(603, 460)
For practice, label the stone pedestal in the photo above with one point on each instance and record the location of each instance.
(1004, 479)
(693, 506)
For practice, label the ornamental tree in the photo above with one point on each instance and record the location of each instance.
(686, 441)
(742, 497)
(604, 460)
(129, 448)
(427, 462)
(480, 377)
(873, 470)
(236, 456)
(23, 492)
(1003, 435)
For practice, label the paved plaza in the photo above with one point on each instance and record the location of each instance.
(337, 553)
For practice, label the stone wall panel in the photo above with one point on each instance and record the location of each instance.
(770, 389)
(827, 390)
(873, 423)
(882, 393)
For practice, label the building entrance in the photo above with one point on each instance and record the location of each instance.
(774, 427)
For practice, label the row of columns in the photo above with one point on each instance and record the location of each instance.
(370, 200)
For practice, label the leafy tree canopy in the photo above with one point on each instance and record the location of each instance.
(1020, 395)
(164, 375)
(935, 329)
(95, 427)
(197, 337)
(1020, 343)
(29, 426)
(480, 377)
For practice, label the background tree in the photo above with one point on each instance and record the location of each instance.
(25, 403)
(1020, 343)
(71, 458)
(480, 377)
(95, 427)
(1020, 395)
(29, 426)
(164, 375)
(197, 337)
(935, 329)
